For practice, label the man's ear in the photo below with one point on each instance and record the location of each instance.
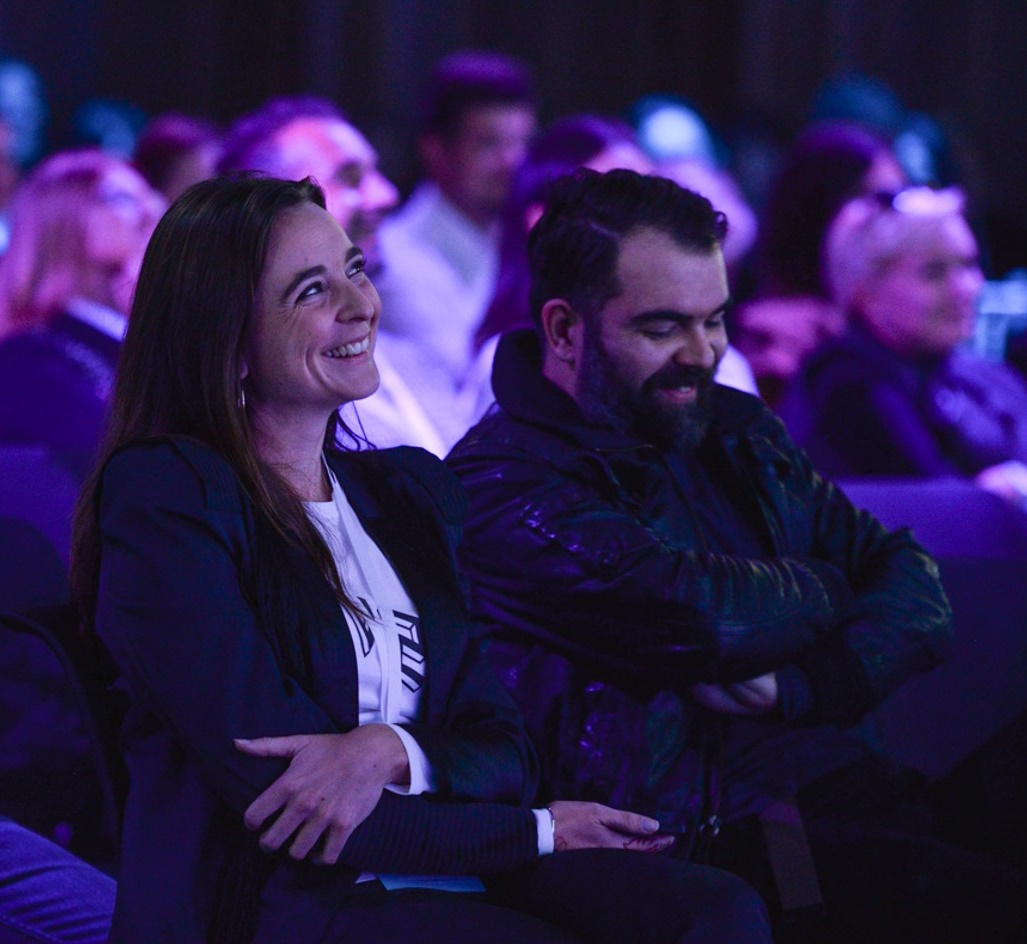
(563, 329)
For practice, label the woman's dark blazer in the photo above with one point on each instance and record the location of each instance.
(178, 545)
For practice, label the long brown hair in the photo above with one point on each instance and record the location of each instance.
(179, 367)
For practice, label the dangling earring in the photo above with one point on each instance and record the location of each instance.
(242, 397)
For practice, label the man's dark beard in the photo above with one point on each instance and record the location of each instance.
(607, 399)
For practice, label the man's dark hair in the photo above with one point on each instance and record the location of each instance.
(245, 143)
(572, 249)
(466, 80)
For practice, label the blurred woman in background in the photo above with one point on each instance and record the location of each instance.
(79, 225)
(792, 311)
(896, 395)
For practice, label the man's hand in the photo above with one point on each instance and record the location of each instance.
(594, 826)
(332, 784)
(753, 698)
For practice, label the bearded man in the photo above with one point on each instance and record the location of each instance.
(688, 614)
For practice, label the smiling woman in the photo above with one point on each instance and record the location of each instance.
(316, 749)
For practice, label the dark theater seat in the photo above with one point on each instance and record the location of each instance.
(980, 542)
(39, 487)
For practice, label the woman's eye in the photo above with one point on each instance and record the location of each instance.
(315, 288)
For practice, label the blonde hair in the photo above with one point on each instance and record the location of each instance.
(870, 231)
(46, 263)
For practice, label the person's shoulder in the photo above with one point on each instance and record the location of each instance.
(404, 225)
(500, 435)
(848, 357)
(174, 468)
(735, 409)
(405, 469)
(738, 415)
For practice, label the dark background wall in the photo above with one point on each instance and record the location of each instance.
(743, 63)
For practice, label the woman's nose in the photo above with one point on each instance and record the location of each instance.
(356, 304)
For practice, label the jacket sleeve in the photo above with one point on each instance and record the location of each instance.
(900, 622)
(559, 555)
(172, 611)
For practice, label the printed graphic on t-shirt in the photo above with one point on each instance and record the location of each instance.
(364, 631)
(410, 650)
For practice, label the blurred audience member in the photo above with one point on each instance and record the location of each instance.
(441, 248)
(9, 175)
(295, 137)
(175, 151)
(896, 395)
(793, 312)
(23, 115)
(110, 124)
(718, 186)
(594, 141)
(23, 107)
(79, 224)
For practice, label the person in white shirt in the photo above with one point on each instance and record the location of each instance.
(441, 247)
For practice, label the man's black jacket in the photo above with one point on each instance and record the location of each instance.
(586, 556)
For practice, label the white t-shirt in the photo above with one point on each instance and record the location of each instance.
(386, 638)
(389, 650)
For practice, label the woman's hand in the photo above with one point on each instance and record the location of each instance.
(594, 826)
(332, 784)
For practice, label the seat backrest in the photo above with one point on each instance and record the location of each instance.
(40, 487)
(950, 517)
(980, 543)
(32, 572)
(85, 673)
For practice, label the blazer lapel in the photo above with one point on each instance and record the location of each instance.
(401, 527)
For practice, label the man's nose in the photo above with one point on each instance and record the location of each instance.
(695, 350)
(379, 193)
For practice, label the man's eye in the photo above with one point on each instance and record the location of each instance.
(717, 321)
(658, 330)
(356, 267)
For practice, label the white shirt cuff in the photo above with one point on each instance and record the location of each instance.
(421, 777)
(546, 833)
